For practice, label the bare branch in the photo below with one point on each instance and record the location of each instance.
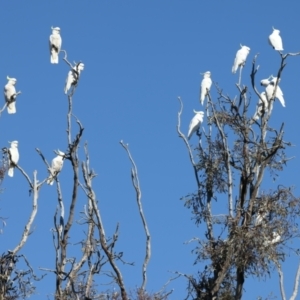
(280, 273)
(27, 228)
(66, 60)
(136, 184)
(227, 159)
(296, 284)
(88, 176)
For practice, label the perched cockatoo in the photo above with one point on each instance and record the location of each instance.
(274, 239)
(262, 106)
(195, 123)
(13, 154)
(56, 166)
(270, 89)
(55, 44)
(260, 217)
(10, 95)
(275, 40)
(73, 76)
(240, 58)
(205, 86)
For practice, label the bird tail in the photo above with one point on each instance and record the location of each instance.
(202, 97)
(11, 108)
(278, 48)
(67, 87)
(281, 100)
(50, 180)
(51, 177)
(11, 172)
(54, 57)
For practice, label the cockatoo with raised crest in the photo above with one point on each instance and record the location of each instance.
(56, 166)
(195, 122)
(205, 86)
(13, 155)
(10, 95)
(240, 58)
(73, 76)
(55, 42)
(275, 40)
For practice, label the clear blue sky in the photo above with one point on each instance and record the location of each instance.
(139, 56)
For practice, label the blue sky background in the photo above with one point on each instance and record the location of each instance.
(139, 56)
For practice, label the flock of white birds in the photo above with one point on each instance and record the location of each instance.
(10, 95)
(265, 103)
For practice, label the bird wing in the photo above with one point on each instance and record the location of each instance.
(55, 42)
(9, 91)
(205, 85)
(276, 41)
(194, 125)
(69, 81)
(269, 91)
(235, 63)
(240, 59)
(279, 96)
(13, 155)
(57, 164)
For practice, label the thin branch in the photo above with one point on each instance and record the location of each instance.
(88, 176)
(181, 135)
(227, 159)
(136, 184)
(25, 175)
(27, 228)
(65, 59)
(296, 284)
(280, 273)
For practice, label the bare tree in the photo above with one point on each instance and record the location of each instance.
(76, 277)
(246, 228)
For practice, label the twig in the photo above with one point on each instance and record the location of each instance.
(136, 184)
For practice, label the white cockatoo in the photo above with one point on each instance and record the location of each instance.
(275, 40)
(270, 86)
(10, 95)
(73, 76)
(55, 44)
(13, 154)
(240, 58)
(262, 106)
(205, 86)
(56, 166)
(276, 237)
(260, 217)
(195, 122)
